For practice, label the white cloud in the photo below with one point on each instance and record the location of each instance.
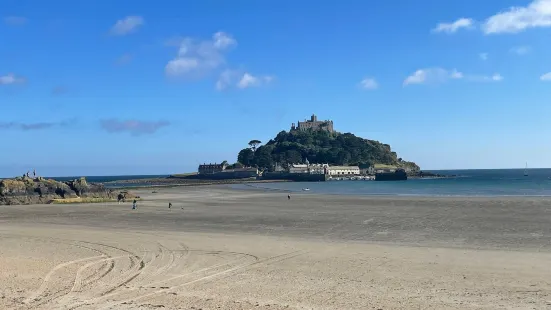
(15, 20)
(483, 56)
(434, 75)
(516, 19)
(200, 57)
(466, 23)
(497, 77)
(222, 40)
(439, 75)
(369, 83)
(485, 78)
(127, 25)
(11, 78)
(456, 74)
(521, 50)
(231, 78)
(249, 80)
(225, 79)
(546, 77)
(196, 59)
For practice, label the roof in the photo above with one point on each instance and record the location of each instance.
(383, 166)
(207, 165)
(343, 167)
(241, 170)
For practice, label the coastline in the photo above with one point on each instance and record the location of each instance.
(177, 182)
(174, 180)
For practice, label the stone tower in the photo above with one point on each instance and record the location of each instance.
(314, 124)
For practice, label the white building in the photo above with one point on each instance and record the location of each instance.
(309, 168)
(298, 168)
(344, 170)
(318, 168)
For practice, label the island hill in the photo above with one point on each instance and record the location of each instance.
(310, 147)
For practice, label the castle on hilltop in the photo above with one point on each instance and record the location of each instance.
(314, 124)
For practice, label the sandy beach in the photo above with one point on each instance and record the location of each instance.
(219, 248)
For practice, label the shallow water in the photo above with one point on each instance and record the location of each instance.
(495, 182)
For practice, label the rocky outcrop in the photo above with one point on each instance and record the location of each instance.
(25, 190)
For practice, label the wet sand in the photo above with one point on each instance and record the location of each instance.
(236, 249)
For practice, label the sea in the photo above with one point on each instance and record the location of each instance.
(491, 182)
(479, 182)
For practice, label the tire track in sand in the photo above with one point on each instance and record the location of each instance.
(64, 292)
(243, 267)
(94, 301)
(36, 294)
(78, 283)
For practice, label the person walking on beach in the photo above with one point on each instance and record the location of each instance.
(170, 205)
(134, 204)
(288, 196)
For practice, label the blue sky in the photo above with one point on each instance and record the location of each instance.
(110, 87)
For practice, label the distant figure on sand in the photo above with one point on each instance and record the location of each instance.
(289, 197)
(134, 204)
(170, 205)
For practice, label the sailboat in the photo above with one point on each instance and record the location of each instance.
(525, 170)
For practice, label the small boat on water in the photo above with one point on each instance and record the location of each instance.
(306, 189)
(525, 170)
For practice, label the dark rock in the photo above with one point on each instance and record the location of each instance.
(25, 190)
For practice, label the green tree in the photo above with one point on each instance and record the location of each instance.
(293, 157)
(263, 157)
(246, 157)
(320, 146)
(254, 144)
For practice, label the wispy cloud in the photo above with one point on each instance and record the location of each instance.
(249, 80)
(134, 127)
(127, 25)
(453, 27)
(10, 79)
(435, 75)
(485, 78)
(516, 19)
(440, 75)
(15, 20)
(201, 58)
(483, 56)
(546, 77)
(237, 78)
(32, 126)
(369, 84)
(196, 58)
(521, 50)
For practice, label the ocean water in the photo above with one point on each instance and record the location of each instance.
(494, 182)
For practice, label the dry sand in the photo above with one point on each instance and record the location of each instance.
(230, 249)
